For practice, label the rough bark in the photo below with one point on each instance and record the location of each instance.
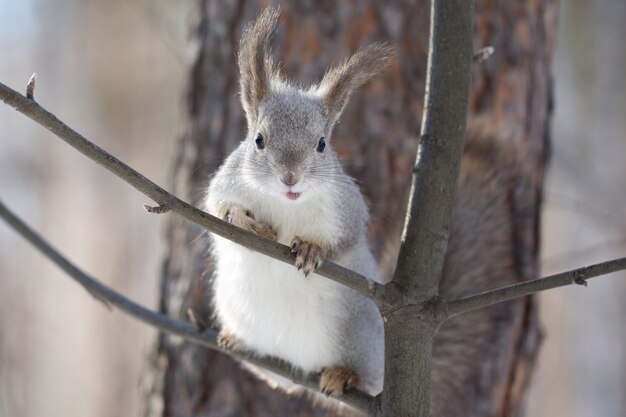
(377, 138)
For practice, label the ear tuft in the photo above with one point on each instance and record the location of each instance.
(255, 62)
(339, 82)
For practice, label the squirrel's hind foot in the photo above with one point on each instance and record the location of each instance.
(336, 380)
(309, 256)
(226, 340)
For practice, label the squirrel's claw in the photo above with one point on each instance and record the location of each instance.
(226, 340)
(309, 256)
(244, 219)
(336, 380)
(263, 230)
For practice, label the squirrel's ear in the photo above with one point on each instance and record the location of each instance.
(255, 62)
(341, 81)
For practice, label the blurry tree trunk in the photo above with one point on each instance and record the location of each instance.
(377, 139)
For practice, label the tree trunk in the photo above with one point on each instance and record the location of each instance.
(377, 139)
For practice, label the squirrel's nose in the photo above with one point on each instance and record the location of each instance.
(289, 178)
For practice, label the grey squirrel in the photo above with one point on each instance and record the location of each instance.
(285, 182)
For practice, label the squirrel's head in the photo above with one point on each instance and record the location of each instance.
(289, 151)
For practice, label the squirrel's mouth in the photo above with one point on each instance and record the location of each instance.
(292, 195)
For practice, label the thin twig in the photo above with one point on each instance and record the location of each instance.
(208, 337)
(160, 209)
(30, 87)
(365, 286)
(483, 54)
(576, 276)
(196, 321)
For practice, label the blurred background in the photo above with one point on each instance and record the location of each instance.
(116, 71)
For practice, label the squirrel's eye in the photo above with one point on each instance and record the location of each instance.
(321, 145)
(259, 141)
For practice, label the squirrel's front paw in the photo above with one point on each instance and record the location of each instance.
(309, 256)
(243, 218)
(335, 380)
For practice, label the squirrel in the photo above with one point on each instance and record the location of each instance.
(285, 182)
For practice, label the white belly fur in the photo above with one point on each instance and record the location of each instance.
(274, 309)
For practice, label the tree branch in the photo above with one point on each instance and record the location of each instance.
(411, 325)
(166, 201)
(438, 161)
(188, 331)
(576, 276)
